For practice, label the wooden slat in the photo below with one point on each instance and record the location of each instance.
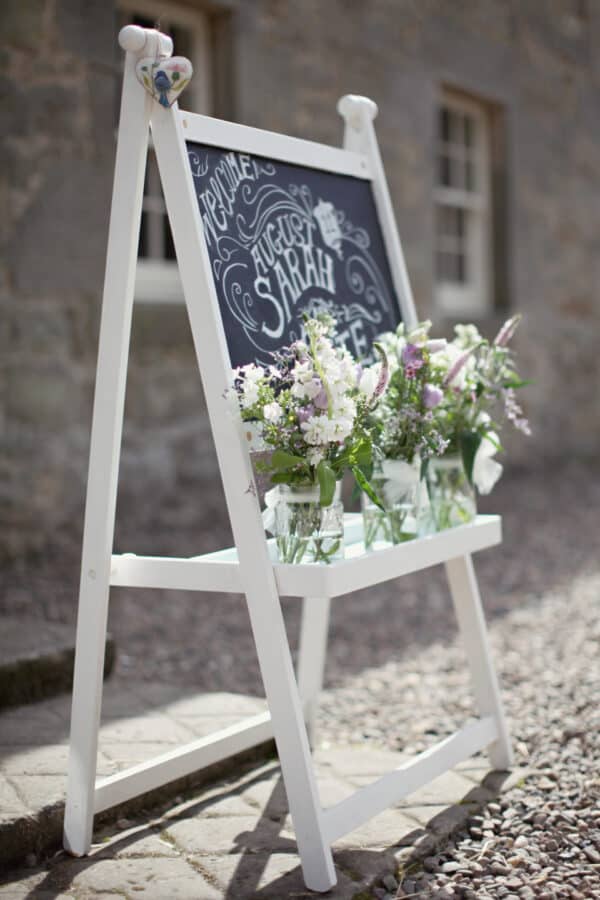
(374, 798)
(190, 758)
(244, 139)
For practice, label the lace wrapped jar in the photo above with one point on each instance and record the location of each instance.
(304, 530)
(452, 498)
(398, 485)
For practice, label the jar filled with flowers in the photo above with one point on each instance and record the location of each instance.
(407, 436)
(313, 406)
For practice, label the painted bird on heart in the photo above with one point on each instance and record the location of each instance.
(162, 83)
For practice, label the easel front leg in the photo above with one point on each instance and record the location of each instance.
(467, 605)
(105, 444)
(311, 657)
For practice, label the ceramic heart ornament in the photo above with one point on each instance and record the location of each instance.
(164, 79)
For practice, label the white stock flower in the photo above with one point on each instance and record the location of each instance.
(272, 412)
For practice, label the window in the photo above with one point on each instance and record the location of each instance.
(463, 215)
(157, 276)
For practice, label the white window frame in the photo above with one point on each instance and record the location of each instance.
(475, 297)
(157, 280)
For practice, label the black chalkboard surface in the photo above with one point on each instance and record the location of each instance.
(286, 239)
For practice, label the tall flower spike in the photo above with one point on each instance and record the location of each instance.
(507, 331)
(453, 372)
(384, 375)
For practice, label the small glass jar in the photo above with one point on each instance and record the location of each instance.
(398, 485)
(304, 530)
(452, 499)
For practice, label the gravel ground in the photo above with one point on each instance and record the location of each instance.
(395, 676)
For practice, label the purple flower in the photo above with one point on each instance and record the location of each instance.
(412, 356)
(305, 413)
(432, 395)
(321, 401)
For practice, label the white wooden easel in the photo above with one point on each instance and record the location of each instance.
(248, 568)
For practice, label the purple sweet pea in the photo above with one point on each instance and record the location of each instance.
(305, 413)
(412, 357)
(432, 395)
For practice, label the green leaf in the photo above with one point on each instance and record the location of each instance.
(365, 486)
(469, 442)
(326, 477)
(282, 460)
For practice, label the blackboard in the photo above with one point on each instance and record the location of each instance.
(285, 239)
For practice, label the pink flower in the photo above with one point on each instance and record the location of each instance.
(507, 331)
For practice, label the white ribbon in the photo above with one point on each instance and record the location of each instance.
(400, 477)
(486, 471)
(272, 498)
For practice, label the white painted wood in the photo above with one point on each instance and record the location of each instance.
(221, 571)
(407, 778)
(242, 502)
(297, 151)
(183, 761)
(104, 453)
(471, 621)
(359, 135)
(311, 656)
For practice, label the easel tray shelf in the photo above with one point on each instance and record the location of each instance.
(220, 571)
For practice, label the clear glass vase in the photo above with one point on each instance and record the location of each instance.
(304, 530)
(398, 485)
(452, 498)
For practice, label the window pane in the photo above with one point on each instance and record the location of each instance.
(444, 171)
(469, 130)
(470, 176)
(444, 124)
(451, 222)
(451, 267)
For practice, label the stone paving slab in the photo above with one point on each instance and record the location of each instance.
(36, 659)
(139, 722)
(233, 839)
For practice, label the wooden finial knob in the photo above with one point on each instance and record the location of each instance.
(355, 109)
(135, 39)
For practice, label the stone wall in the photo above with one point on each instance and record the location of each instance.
(536, 62)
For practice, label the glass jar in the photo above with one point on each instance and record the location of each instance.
(304, 530)
(398, 485)
(451, 496)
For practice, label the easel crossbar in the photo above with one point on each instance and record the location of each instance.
(367, 802)
(183, 761)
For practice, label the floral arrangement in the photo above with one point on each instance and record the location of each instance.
(313, 405)
(479, 380)
(409, 428)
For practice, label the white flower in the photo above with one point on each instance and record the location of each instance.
(315, 430)
(466, 336)
(272, 412)
(315, 456)
(252, 373)
(368, 380)
(486, 471)
(249, 394)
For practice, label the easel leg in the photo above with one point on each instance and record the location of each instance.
(105, 448)
(311, 657)
(467, 604)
